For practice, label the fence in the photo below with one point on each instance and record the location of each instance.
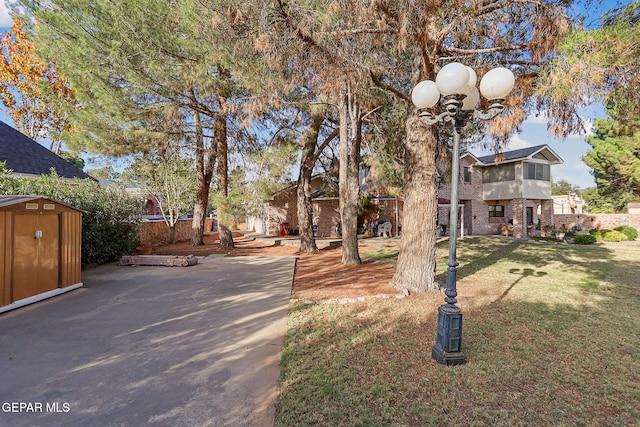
(156, 233)
(598, 221)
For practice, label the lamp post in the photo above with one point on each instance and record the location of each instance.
(455, 90)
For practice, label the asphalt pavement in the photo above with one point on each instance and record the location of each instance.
(150, 346)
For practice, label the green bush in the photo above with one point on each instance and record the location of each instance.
(597, 234)
(584, 239)
(614, 236)
(108, 228)
(630, 232)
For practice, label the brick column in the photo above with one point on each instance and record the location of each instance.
(519, 208)
(547, 218)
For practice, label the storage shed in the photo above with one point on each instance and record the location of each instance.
(40, 249)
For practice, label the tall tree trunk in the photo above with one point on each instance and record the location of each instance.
(415, 270)
(348, 179)
(220, 135)
(304, 202)
(224, 232)
(172, 234)
(205, 160)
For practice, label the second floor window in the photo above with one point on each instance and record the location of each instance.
(537, 171)
(499, 173)
(466, 174)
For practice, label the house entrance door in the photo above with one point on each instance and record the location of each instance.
(529, 215)
(36, 255)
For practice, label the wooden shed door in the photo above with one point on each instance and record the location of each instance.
(36, 255)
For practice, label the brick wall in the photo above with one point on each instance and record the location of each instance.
(156, 233)
(547, 217)
(599, 221)
(283, 208)
(326, 214)
(469, 194)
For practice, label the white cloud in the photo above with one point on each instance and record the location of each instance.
(588, 130)
(5, 18)
(517, 142)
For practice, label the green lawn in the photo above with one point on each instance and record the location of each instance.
(551, 335)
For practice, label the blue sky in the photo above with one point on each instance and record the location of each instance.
(533, 132)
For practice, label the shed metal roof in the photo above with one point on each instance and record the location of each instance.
(10, 200)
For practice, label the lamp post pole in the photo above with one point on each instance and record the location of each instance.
(455, 90)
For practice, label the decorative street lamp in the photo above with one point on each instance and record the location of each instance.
(455, 89)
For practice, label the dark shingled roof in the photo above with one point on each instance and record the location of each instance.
(522, 153)
(25, 156)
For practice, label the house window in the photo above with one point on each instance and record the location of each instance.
(466, 174)
(506, 172)
(537, 171)
(496, 211)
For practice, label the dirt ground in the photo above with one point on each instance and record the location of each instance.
(319, 277)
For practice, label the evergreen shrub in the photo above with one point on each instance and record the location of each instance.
(614, 236)
(630, 232)
(584, 239)
(597, 234)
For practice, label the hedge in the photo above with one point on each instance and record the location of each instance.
(109, 227)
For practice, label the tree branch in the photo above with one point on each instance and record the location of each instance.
(324, 144)
(386, 87)
(480, 51)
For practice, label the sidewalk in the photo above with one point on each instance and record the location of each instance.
(161, 346)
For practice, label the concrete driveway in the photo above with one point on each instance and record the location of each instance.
(158, 346)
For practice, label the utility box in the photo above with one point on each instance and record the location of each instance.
(40, 249)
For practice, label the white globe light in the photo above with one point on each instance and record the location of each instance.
(470, 102)
(425, 94)
(452, 79)
(473, 79)
(497, 83)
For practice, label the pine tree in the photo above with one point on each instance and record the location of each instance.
(396, 44)
(152, 74)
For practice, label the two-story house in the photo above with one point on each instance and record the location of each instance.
(509, 190)
(513, 187)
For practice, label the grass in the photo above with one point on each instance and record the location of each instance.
(551, 336)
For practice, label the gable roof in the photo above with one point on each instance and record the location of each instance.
(14, 200)
(26, 157)
(521, 154)
(323, 184)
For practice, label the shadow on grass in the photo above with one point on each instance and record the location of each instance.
(477, 253)
(526, 272)
(549, 362)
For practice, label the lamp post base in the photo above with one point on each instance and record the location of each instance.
(448, 347)
(449, 359)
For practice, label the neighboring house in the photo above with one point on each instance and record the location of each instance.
(511, 188)
(26, 158)
(568, 204)
(633, 208)
(283, 207)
